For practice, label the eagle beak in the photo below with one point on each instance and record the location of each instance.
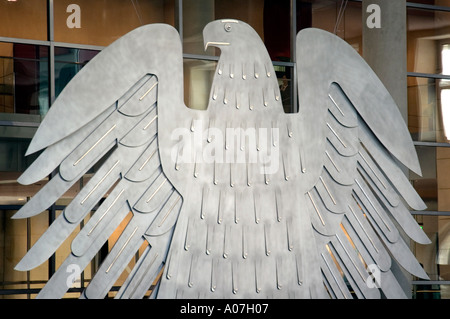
(215, 44)
(212, 32)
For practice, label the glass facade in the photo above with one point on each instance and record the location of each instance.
(44, 43)
(428, 105)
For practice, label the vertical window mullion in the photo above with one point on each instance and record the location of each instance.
(51, 87)
(294, 98)
(179, 18)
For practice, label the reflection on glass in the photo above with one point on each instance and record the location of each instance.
(198, 75)
(69, 62)
(339, 17)
(102, 22)
(434, 184)
(427, 31)
(24, 79)
(435, 257)
(13, 161)
(269, 18)
(13, 245)
(196, 14)
(445, 91)
(445, 109)
(434, 188)
(6, 78)
(284, 77)
(428, 108)
(426, 185)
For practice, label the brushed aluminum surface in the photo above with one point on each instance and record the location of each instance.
(237, 201)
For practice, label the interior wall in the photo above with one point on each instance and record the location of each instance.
(102, 22)
(24, 19)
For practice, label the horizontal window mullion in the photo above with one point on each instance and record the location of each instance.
(431, 144)
(25, 41)
(430, 212)
(428, 75)
(427, 6)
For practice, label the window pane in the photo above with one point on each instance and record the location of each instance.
(24, 79)
(269, 18)
(68, 62)
(434, 184)
(24, 19)
(285, 76)
(13, 246)
(429, 109)
(36, 228)
(6, 78)
(340, 17)
(435, 257)
(428, 291)
(102, 22)
(198, 75)
(427, 33)
(434, 188)
(432, 2)
(426, 185)
(12, 156)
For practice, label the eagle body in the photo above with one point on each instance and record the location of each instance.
(240, 233)
(240, 200)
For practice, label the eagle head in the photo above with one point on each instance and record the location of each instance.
(230, 35)
(243, 60)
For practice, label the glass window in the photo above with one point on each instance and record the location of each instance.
(6, 78)
(102, 22)
(12, 155)
(198, 75)
(427, 34)
(342, 18)
(434, 184)
(14, 245)
(68, 62)
(24, 79)
(432, 2)
(285, 76)
(269, 18)
(434, 188)
(435, 258)
(428, 109)
(435, 291)
(24, 19)
(426, 185)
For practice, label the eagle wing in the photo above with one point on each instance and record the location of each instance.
(108, 116)
(351, 194)
(355, 149)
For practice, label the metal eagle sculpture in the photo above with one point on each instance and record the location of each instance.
(240, 200)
